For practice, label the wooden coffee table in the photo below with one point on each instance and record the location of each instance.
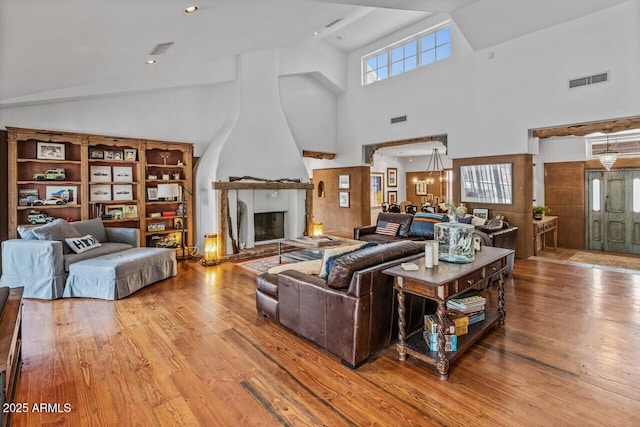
(313, 247)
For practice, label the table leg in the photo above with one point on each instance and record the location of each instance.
(555, 238)
(442, 363)
(402, 345)
(501, 310)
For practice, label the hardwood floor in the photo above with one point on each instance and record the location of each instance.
(193, 351)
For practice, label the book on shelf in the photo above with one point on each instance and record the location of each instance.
(431, 324)
(460, 320)
(476, 317)
(467, 305)
(450, 344)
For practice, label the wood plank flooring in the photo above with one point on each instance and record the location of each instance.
(192, 351)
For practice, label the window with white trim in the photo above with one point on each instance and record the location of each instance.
(419, 50)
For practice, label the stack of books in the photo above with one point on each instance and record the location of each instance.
(471, 306)
(430, 333)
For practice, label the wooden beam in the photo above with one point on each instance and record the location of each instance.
(223, 202)
(251, 185)
(318, 155)
(582, 129)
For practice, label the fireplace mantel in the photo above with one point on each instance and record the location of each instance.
(224, 219)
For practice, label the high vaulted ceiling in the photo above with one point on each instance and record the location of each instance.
(50, 47)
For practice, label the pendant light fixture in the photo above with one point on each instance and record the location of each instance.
(608, 157)
(434, 166)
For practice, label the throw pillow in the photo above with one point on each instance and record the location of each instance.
(26, 233)
(56, 230)
(82, 244)
(95, 227)
(386, 228)
(476, 220)
(340, 250)
(423, 222)
(308, 267)
(466, 220)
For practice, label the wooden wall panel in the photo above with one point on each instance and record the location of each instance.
(325, 203)
(411, 177)
(519, 213)
(4, 189)
(564, 195)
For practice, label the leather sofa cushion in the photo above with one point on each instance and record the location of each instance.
(346, 265)
(403, 219)
(268, 284)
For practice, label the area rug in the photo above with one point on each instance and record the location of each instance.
(261, 265)
(600, 258)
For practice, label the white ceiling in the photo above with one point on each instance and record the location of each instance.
(49, 47)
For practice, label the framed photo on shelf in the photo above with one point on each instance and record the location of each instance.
(421, 187)
(108, 155)
(123, 192)
(177, 223)
(392, 196)
(100, 173)
(26, 196)
(155, 226)
(131, 211)
(122, 174)
(96, 154)
(116, 211)
(344, 182)
(481, 213)
(392, 177)
(99, 192)
(130, 154)
(118, 155)
(50, 151)
(152, 193)
(343, 200)
(68, 193)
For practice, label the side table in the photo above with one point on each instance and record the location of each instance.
(440, 284)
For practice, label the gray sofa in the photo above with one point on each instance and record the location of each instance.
(42, 266)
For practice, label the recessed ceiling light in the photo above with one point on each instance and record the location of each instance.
(191, 9)
(150, 61)
(315, 33)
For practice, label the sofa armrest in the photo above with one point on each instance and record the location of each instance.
(361, 231)
(124, 235)
(38, 265)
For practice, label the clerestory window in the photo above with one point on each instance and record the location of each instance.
(419, 50)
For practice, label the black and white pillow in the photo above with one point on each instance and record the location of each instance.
(82, 244)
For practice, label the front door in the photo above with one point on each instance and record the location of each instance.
(613, 210)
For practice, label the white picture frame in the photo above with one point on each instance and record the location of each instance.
(130, 154)
(99, 192)
(70, 193)
(152, 193)
(122, 174)
(100, 174)
(122, 192)
(481, 213)
(343, 200)
(131, 211)
(50, 151)
(344, 182)
(116, 211)
(421, 187)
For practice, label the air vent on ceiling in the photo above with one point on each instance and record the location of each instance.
(398, 119)
(331, 24)
(589, 80)
(161, 48)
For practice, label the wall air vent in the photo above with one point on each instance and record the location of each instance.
(589, 80)
(398, 119)
(332, 23)
(161, 48)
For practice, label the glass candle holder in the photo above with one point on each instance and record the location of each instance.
(455, 242)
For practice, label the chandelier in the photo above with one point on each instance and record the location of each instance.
(434, 166)
(608, 157)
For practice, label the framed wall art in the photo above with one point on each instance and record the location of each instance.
(50, 151)
(377, 189)
(344, 182)
(122, 174)
(99, 192)
(421, 187)
(392, 197)
(123, 192)
(392, 177)
(116, 211)
(343, 199)
(131, 211)
(60, 192)
(100, 174)
(481, 213)
(130, 154)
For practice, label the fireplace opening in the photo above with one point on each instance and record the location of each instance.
(268, 226)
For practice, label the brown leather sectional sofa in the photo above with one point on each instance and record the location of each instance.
(352, 314)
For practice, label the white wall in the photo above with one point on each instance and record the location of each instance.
(487, 105)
